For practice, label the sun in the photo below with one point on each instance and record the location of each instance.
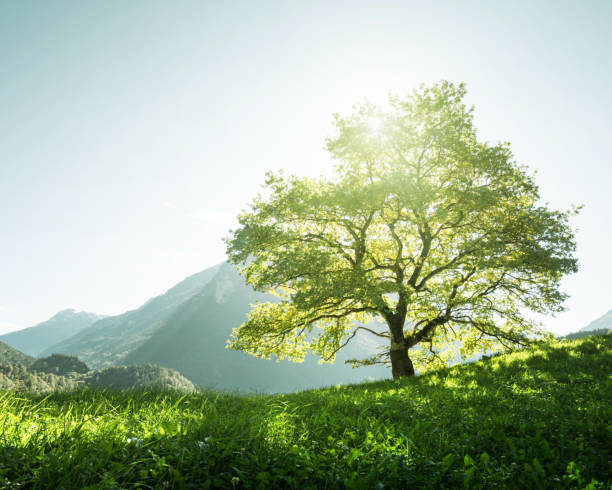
(375, 125)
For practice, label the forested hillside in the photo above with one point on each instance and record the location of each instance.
(61, 372)
(9, 354)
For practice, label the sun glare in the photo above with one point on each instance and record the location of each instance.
(375, 125)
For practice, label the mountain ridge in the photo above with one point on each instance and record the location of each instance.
(187, 329)
(603, 322)
(193, 341)
(63, 325)
(97, 345)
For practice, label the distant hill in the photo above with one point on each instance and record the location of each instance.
(60, 364)
(34, 340)
(107, 342)
(17, 377)
(586, 333)
(10, 355)
(192, 340)
(603, 322)
(138, 377)
(59, 372)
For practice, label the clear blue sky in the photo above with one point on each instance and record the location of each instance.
(132, 132)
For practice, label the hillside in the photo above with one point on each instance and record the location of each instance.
(108, 341)
(60, 372)
(22, 379)
(586, 333)
(138, 377)
(16, 377)
(65, 324)
(603, 322)
(10, 355)
(539, 418)
(193, 339)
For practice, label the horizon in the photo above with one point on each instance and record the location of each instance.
(134, 134)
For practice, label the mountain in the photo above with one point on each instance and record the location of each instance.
(187, 329)
(10, 355)
(34, 340)
(108, 341)
(192, 340)
(603, 322)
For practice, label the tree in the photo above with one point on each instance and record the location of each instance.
(438, 235)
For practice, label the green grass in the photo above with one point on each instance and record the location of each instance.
(540, 418)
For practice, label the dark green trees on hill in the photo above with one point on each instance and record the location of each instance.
(17, 377)
(60, 372)
(59, 364)
(143, 376)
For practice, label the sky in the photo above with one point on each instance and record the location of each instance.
(132, 133)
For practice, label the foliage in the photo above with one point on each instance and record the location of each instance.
(539, 418)
(141, 376)
(19, 378)
(10, 355)
(423, 226)
(60, 364)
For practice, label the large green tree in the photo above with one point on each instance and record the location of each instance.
(438, 235)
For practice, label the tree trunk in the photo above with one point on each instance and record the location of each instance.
(401, 365)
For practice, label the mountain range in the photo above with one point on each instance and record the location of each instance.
(187, 328)
(107, 342)
(65, 324)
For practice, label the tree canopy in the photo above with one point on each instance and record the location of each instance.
(440, 236)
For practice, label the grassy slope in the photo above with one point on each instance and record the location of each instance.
(537, 418)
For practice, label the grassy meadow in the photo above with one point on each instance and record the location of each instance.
(539, 418)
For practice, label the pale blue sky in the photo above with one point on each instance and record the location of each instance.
(132, 132)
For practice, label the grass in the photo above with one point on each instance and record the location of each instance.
(539, 418)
